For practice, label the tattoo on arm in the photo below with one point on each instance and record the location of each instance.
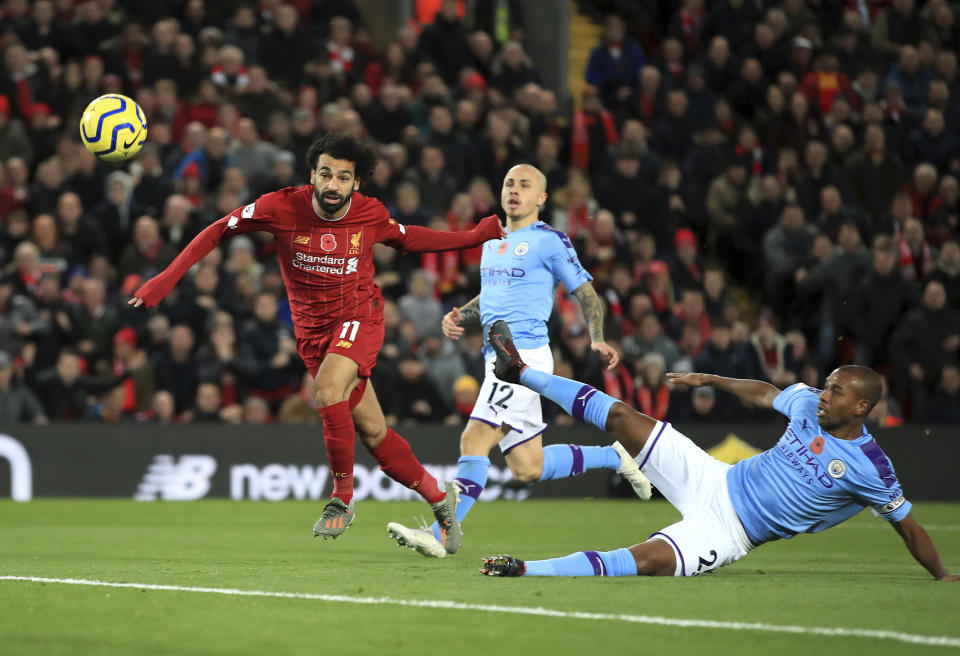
(592, 308)
(470, 312)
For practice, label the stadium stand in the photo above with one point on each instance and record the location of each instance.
(760, 189)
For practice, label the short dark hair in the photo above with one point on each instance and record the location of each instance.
(342, 146)
(867, 383)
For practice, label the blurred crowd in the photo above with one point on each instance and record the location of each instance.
(760, 189)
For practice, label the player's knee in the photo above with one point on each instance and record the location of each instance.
(654, 558)
(371, 433)
(477, 440)
(619, 412)
(526, 472)
(328, 394)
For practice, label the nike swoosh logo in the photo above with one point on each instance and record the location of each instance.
(586, 396)
(133, 139)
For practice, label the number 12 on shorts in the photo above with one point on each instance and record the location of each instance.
(505, 390)
(350, 327)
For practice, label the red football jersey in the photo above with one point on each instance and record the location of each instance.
(327, 266)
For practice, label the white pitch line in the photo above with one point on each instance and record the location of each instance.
(911, 638)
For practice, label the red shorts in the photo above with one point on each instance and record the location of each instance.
(359, 340)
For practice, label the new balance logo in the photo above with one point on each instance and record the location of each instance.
(169, 479)
(344, 344)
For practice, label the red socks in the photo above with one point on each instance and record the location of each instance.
(339, 436)
(397, 461)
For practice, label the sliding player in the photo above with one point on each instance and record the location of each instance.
(825, 469)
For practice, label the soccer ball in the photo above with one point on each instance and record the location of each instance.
(113, 128)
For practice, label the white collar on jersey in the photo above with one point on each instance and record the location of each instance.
(319, 216)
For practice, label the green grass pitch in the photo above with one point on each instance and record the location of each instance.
(856, 576)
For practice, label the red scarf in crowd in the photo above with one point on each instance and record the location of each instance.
(577, 220)
(580, 137)
(618, 384)
(653, 407)
(909, 267)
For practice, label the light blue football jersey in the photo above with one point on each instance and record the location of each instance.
(518, 277)
(811, 480)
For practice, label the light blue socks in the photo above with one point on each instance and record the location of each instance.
(619, 562)
(579, 400)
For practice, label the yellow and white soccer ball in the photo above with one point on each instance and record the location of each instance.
(113, 127)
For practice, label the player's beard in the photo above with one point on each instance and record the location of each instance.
(326, 208)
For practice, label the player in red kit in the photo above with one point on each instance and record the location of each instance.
(324, 233)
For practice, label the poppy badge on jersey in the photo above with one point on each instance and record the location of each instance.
(328, 243)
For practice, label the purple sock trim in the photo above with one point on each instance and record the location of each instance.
(597, 562)
(580, 401)
(650, 450)
(471, 488)
(683, 567)
(577, 467)
(485, 421)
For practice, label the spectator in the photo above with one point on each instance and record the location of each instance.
(206, 409)
(947, 272)
(873, 174)
(917, 257)
(253, 156)
(945, 404)
(725, 199)
(133, 364)
(273, 348)
(63, 390)
(614, 65)
(444, 42)
(652, 394)
(415, 397)
(593, 134)
(925, 339)
(17, 403)
(419, 306)
(785, 248)
(834, 279)
(721, 357)
(465, 391)
(775, 352)
(442, 365)
(512, 69)
(148, 255)
(944, 224)
(176, 367)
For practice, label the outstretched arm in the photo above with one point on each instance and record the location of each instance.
(592, 309)
(455, 319)
(752, 392)
(414, 239)
(922, 548)
(156, 289)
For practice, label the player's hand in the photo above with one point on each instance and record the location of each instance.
(690, 380)
(950, 577)
(608, 352)
(136, 301)
(450, 326)
(491, 227)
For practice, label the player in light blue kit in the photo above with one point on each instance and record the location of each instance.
(518, 277)
(823, 470)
